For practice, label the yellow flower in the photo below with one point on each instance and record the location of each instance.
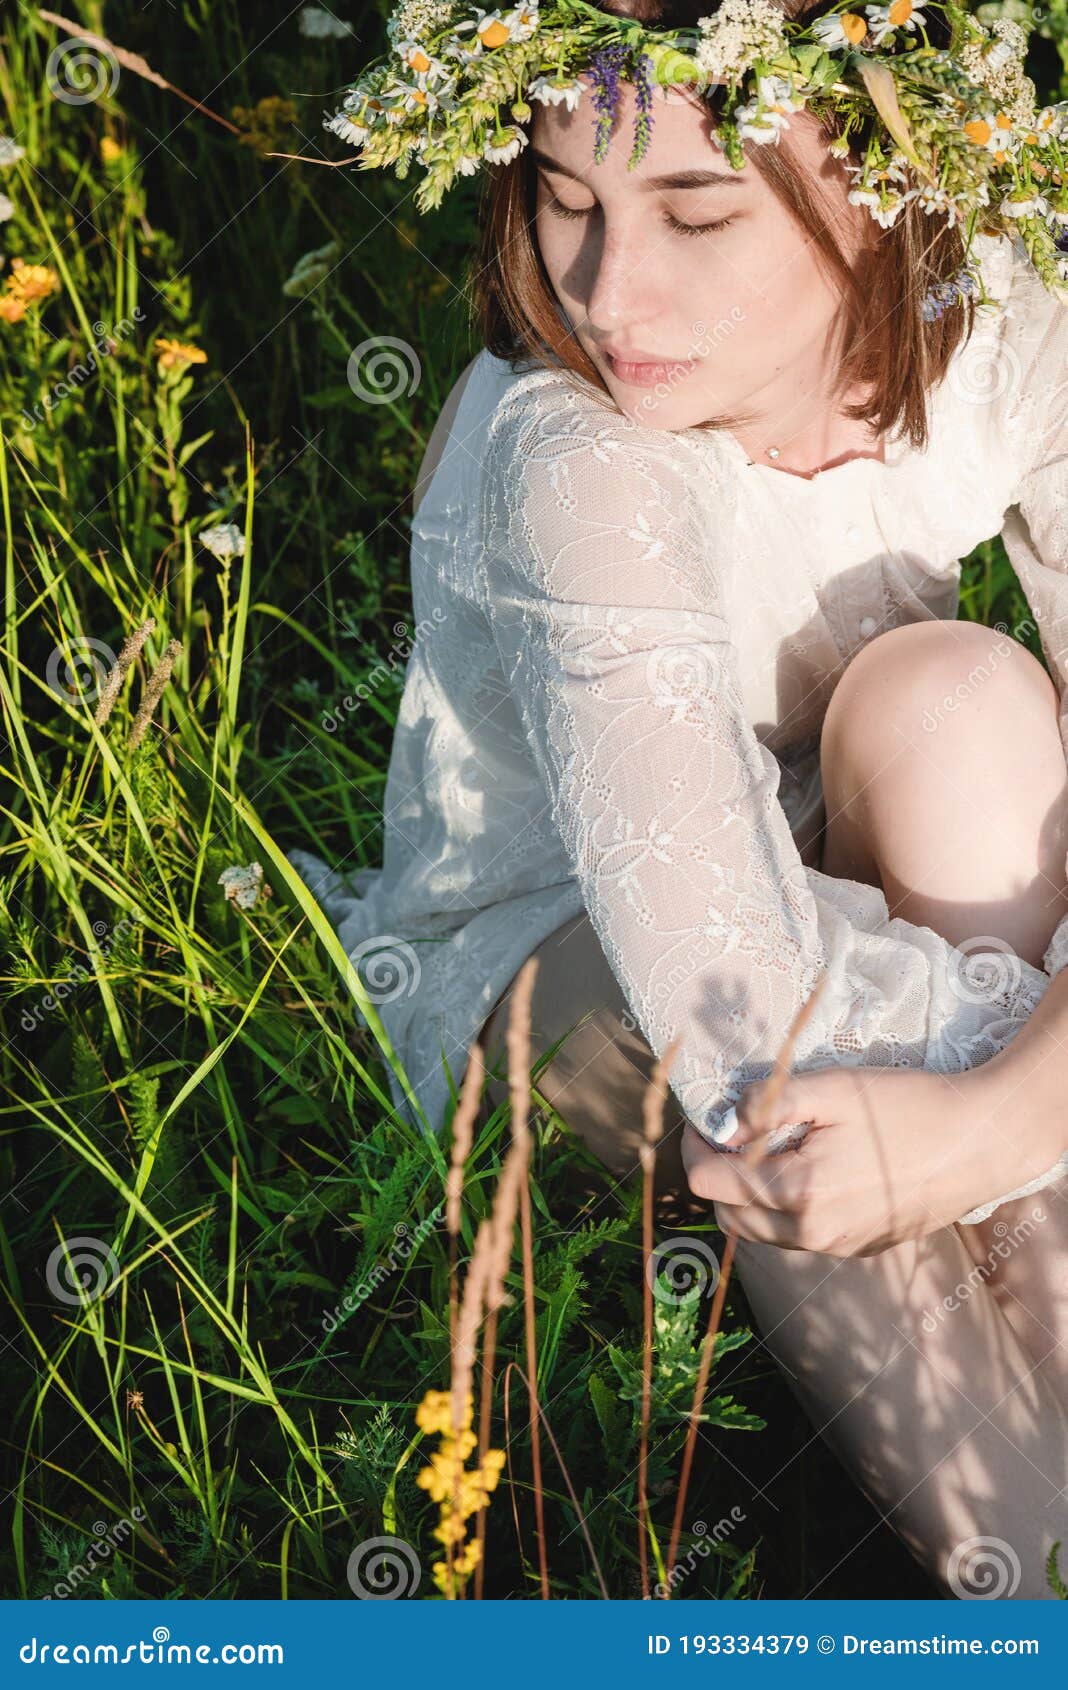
(267, 125)
(460, 1491)
(463, 1563)
(175, 354)
(434, 1413)
(110, 150)
(26, 284)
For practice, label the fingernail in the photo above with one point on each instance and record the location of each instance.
(727, 1127)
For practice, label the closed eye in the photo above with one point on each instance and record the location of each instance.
(558, 210)
(699, 228)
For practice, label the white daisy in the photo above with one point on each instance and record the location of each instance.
(495, 29)
(1023, 204)
(933, 198)
(1044, 129)
(776, 93)
(763, 127)
(900, 14)
(522, 21)
(354, 133)
(843, 30)
(994, 132)
(510, 142)
(552, 93)
(7, 210)
(420, 64)
(10, 152)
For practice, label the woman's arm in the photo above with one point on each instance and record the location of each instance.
(602, 586)
(892, 1155)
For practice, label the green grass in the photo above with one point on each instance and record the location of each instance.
(230, 1406)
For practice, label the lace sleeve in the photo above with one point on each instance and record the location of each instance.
(601, 588)
(1035, 530)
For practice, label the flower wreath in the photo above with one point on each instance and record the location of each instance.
(954, 127)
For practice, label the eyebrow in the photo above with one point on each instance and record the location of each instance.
(677, 179)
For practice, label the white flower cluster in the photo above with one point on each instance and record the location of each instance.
(736, 36)
(997, 66)
(417, 20)
(320, 25)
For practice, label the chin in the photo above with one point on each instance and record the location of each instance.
(650, 410)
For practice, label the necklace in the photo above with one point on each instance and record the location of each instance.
(773, 451)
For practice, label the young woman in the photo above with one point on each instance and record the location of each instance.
(689, 717)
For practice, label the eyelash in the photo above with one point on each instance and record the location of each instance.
(568, 212)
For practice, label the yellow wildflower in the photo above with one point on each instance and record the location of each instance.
(459, 1490)
(110, 151)
(174, 354)
(24, 285)
(267, 125)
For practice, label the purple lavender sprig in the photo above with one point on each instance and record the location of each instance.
(939, 298)
(604, 68)
(643, 122)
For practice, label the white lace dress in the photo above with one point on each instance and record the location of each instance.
(627, 638)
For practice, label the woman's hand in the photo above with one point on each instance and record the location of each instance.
(893, 1154)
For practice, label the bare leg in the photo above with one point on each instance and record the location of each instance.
(961, 814)
(942, 1387)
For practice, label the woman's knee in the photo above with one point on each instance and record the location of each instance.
(958, 679)
(942, 754)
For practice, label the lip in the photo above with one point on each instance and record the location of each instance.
(640, 369)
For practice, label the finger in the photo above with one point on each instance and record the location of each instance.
(717, 1176)
(759, 1224)
(815, 1099)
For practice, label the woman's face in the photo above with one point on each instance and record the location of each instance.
(689, 284)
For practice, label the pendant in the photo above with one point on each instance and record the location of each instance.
(773, 451)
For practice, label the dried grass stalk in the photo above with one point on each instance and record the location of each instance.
(158, 679)
(131, 647)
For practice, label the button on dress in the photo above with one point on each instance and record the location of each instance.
(626, 641)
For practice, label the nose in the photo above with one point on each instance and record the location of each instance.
(618, 285)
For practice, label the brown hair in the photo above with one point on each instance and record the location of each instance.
(895, 361)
